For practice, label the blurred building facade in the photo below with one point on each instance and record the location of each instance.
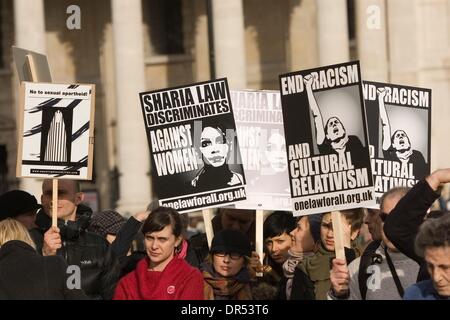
(125, 47)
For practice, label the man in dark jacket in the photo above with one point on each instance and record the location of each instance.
(379, 258)
(90, 252)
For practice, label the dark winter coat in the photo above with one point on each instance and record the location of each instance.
(403, 222)
(99, 266)
(312, 276)
(24, 274)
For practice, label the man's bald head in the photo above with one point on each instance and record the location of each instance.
(69, 197)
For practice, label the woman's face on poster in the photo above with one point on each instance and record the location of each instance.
(276, 152)
(214, 147)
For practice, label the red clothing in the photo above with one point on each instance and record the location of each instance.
(178, 281)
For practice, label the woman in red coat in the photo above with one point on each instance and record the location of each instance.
(163, 274)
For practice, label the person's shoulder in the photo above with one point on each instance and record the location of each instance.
(36, 233)
(127, 283)
(195, 272)
(57, 260)
(353, 266)
(56, 263)
(419, 291)
(417, 154)
(354, 140)
(303, 265)
(317, 266)
(92, 240)
(413, 292)
(190, 271)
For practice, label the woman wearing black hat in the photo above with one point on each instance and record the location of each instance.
(21, 206)
(225, 272)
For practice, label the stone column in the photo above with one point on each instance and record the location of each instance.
(29, 25)
(133, 153)
(332, 31)
(404, 42)
(229, 43)
(201, 67)
(371, 39)
(302, 44)
(433, 51)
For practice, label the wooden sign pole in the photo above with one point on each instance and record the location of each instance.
(259, 241)
(32, 68)
(34, 78)
(55, 203)
(338, 232)
(207, 219)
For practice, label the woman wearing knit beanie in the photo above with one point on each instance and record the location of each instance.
(107, 224)
(225, 272)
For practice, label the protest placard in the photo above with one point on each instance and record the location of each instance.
(326, 138)
(399, 124)
(259, 122)
(56, 131)
(194, 149)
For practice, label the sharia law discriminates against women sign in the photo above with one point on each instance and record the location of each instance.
(259, 122)
(56, 131)
(194, 149)
(326, 139)
(399, 122)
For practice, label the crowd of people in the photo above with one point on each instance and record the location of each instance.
(150, 255)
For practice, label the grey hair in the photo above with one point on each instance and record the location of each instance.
(433, 233)
(394, 192)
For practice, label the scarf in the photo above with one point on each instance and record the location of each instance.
(220, 288)
(178, 281)
(292, 261)
(339, 146)
(404, 155)
(289, 268)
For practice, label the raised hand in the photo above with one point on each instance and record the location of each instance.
(308, 80)
(381, 92)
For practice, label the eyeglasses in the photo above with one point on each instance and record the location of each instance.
(233, 256)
